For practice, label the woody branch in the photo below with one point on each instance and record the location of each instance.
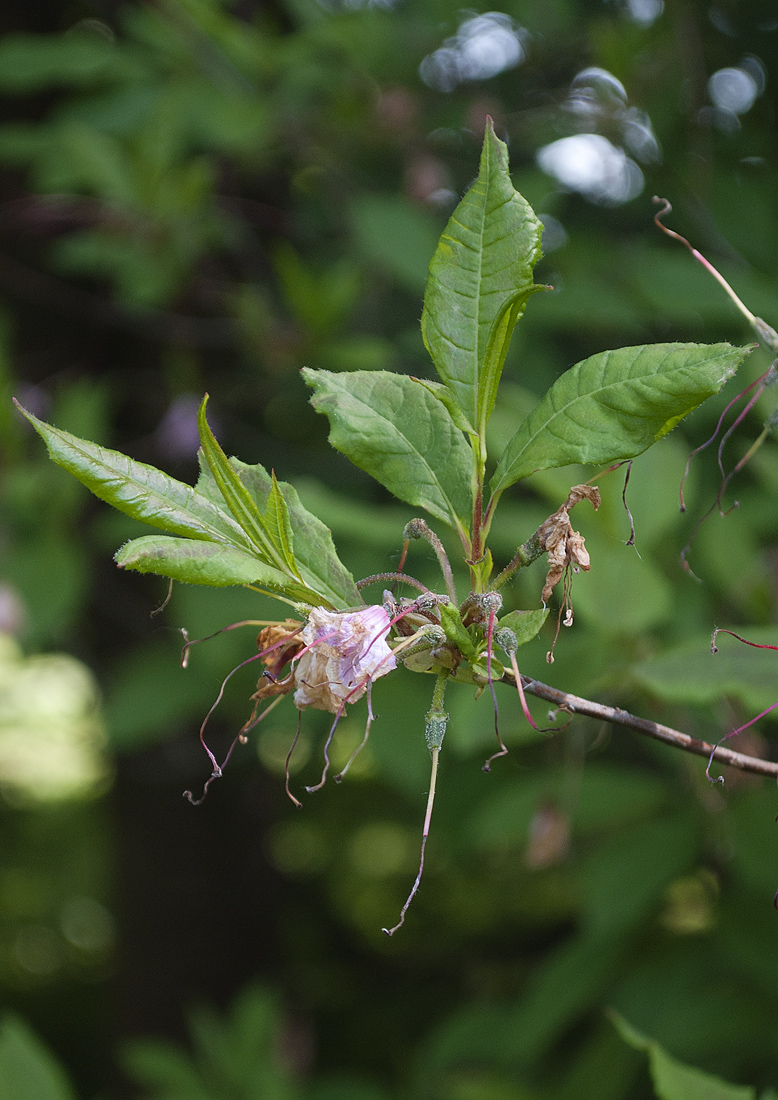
(574, 704)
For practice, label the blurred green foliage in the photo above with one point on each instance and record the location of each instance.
(205, 196)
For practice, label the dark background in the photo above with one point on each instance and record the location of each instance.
(200, 196)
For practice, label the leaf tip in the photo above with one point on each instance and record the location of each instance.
(27, 415)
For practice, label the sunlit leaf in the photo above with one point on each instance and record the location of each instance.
(479, 281)
(317, 560)
(195, 562)
(401, 435)
(269, 532)
(141, 491)
(315, 554)
(276, 518)
(616, 404)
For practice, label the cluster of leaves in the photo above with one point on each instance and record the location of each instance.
(333, 173)
(425, 442)
(242, 1056)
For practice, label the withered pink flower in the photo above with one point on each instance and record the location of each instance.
(564, 545)
(345, 652)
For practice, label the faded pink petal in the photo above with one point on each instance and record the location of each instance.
(347, 650)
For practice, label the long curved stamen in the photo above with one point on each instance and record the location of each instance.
(434, 731)
(363, 742)
(189, 642)
(364, 683)
(524, 704)
(714, 649)
(666, 209)
(503, 749)
(241, 736)
(734, 733)
(707, 443)
(165, 602)
(631, 539)
(318, 786)
(218, 768)
(732, 634)
(288, 760)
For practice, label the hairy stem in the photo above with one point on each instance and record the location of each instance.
(418, 529)
(402, 577)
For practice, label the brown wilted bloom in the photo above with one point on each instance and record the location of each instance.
(565, 547)
(286, 637)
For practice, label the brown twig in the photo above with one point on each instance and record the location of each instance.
(574, 704)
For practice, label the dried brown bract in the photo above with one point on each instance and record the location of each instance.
(565, 547)
(280, 643)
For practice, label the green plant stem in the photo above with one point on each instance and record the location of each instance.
(437, 696)
(418, 529)
(435, 728)
(403, 578)
(528, 552)
(476, 542)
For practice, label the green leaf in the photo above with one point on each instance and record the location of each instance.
(447, 399)
(140, 491)
(157, 1065)
(451, 621)
(673, 1080)
(319, 565)
(276, 517)
(614, 405)
(195, 562)
(479, 281)
(401, 435)
(270, 533)
(31, 62)
(524, 624)
(690, 673)
(27, 1070)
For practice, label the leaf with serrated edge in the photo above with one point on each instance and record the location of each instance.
(276, 519)
(479, 281)
(193, 561)
(315, 553)
(524, 624)
(401, 435)
(447, 399)
(235, 494)
(614, 405)
(140, 491)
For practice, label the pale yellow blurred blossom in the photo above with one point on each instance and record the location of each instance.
(51, 734)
